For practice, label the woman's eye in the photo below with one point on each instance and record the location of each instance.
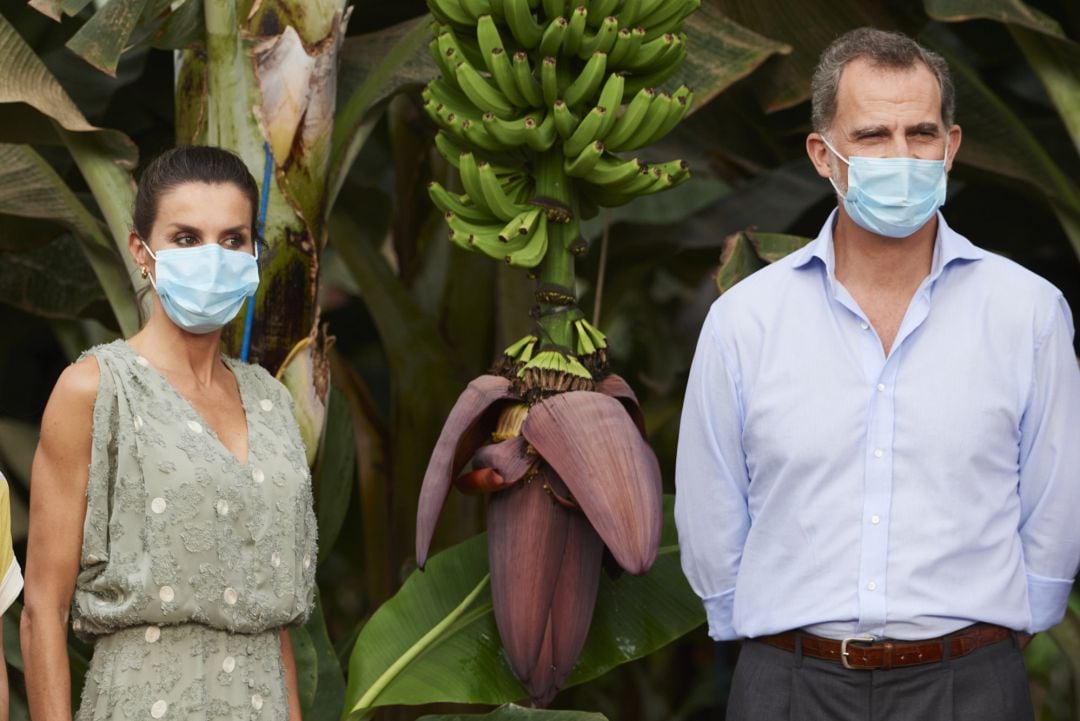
(234, 242)
(186, 239)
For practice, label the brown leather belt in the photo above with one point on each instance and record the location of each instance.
(862, 653)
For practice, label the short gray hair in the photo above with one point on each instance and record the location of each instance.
(881, 49)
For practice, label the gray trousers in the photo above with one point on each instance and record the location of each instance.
(988, 684)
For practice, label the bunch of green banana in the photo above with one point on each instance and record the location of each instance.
(540, 105)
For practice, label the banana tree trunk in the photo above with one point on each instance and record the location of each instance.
(264, 87)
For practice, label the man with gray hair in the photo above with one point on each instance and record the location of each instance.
(878, 469)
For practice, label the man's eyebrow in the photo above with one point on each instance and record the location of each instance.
(931, 128)
(869, 132)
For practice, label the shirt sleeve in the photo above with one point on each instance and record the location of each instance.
(711, 481)
(11, 581)
(1050, 473)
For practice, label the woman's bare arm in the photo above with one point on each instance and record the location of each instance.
(57, 509)
(292, 689)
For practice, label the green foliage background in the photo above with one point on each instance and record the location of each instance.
(414, 319)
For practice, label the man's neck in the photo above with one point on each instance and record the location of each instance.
(870, 262)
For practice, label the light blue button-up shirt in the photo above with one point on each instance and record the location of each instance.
(822, 485)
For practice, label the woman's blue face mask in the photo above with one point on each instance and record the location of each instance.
(203, 288)
(893, 197)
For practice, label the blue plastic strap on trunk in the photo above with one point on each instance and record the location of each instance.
(268, 165)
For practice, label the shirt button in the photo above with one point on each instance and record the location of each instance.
(159, 708)
(142, 361)
(875, 519)
(266, 404)
(158, 505)
(275, 559)
(864, 326)
(258, 476)
(231, 596)
(194, 426)
(91, 559)
(166, 594)
(881, 386)
(228, 664)
(76, 625)
(222, 507)
(307, 561)
(872, 586)
(256, 702)
(878, 453)
(153, 633)
(138, 423)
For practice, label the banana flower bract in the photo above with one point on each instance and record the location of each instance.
(568, 476)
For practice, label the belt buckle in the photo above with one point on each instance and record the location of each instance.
(864, 638)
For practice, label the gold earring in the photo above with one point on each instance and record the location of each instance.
(145, 272)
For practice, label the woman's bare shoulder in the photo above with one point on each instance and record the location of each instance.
(79, 381)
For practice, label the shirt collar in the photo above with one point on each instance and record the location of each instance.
(949, 246)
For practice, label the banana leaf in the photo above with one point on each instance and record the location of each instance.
(335, 471)
(512, 712)
(436, 640)
(320, 682)
(1053, 56)
(53, 281)
(748, 251)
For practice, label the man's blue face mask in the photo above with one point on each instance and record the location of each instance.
(893, 197)
(203, 288)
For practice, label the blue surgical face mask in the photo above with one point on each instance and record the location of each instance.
(892, 196)
(203, 288)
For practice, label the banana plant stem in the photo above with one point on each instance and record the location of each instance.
(384, 680)
(557, 267)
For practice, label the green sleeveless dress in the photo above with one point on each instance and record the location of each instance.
(192, 561)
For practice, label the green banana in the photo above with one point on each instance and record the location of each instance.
(526, 83)
(654, 117)
(647, 8)
(585, 161)
(518, 347)
(668, 17)
(651, 55)
(549, 80)
(476, 8)
(488, 38)
(554, 8)
(495, 197)
(631, 119)
(575, 33)
(630, 12)
(599, 10)
(675, 169)
(454, 100)
(522, 24)
(524, 223)
(604, 39)
(473, 131)
(611, 97)
(497, 11)
(503, 72)
(540, 136)
(565, 120)
(510, 133)
(535, 249)
(481, 92)
(658, 78)
(680, 106)
(470, 180)
(599, 340)
(612, 173)
(450, 11)
(589, 130)
(552, 39)
(446, 69)
(450, 54)
(588, 80)
(449, 202)
(626, 46)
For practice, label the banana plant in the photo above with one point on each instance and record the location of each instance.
(530, 109)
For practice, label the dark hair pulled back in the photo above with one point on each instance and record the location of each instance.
(190, 164)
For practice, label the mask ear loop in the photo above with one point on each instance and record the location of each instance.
(842, 159)
(150, 276)
(268, 164)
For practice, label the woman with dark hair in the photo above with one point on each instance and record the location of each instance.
(170, 514)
